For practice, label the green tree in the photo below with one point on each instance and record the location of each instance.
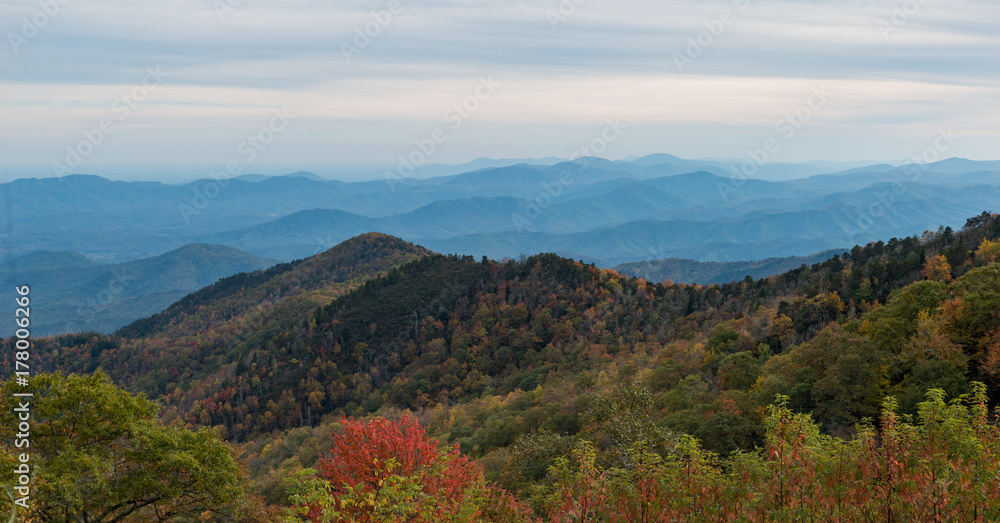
(839, 374)
(99, 455)
(975, 314)
(618, 420)
(891, 325)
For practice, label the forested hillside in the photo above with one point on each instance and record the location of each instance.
(551, 372)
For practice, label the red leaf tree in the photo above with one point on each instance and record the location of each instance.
(382, 470)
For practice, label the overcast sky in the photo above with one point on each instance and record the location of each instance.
(558, 71)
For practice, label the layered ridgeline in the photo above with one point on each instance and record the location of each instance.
(690, 271)
(515, 356)
(71, 292)
(608, 212)
(693, 222)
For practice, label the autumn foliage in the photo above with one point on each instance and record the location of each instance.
(988, 252)
(519, 363)
(937, 268)
(944, 467)
(382, 470)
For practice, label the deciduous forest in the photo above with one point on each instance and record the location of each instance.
(379, 381)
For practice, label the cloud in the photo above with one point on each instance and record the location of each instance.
(562, 63)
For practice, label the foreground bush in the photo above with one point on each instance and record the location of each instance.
(98, 454)
(381, 470)
(943, 467)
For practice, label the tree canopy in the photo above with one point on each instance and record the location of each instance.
(99, 455)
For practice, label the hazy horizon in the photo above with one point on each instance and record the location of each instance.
(346, 172)
(306, 83)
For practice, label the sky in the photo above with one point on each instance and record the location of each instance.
(185, 86)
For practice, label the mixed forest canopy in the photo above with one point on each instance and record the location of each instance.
(560, 391)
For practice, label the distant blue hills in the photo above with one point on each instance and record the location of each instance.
(612, 213)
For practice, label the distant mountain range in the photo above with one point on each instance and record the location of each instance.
(690, 271)
(299, 174)
(611, 213)
(574, 207)
(70, 292)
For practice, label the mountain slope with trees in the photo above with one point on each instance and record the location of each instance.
(526, 363)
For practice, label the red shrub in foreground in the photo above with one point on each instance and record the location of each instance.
(369, 452)
(383, 470)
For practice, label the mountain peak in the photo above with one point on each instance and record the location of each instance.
(305, 174)
(367, 248)
(381, 239)
(656, 158)
(331, 272)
